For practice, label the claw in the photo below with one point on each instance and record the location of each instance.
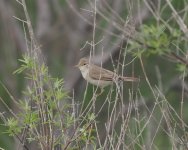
(102, 90)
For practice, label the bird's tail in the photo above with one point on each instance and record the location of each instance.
(130, 79)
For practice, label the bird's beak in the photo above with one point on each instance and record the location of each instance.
(76, 66)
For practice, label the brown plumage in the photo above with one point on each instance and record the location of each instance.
(98, 75)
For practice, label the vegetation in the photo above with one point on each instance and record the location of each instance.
(45, 103)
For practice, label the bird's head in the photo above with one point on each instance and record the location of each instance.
(83, 62)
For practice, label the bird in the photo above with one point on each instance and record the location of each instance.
(99, 76)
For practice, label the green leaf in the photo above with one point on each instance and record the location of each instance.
(26, 63)
(181, 67)
(13, 127)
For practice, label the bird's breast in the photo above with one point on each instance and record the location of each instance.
(84, 71)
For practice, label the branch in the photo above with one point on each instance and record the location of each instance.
(178, 19)
(7, 13)
(74, 80)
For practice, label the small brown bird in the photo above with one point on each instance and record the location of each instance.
(99, 76)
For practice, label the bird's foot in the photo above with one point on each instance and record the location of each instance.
(101, 91)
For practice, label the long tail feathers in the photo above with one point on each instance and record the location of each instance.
(130, 79)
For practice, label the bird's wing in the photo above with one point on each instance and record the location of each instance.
(101, 74)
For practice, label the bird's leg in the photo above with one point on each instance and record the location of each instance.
(102, 90)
